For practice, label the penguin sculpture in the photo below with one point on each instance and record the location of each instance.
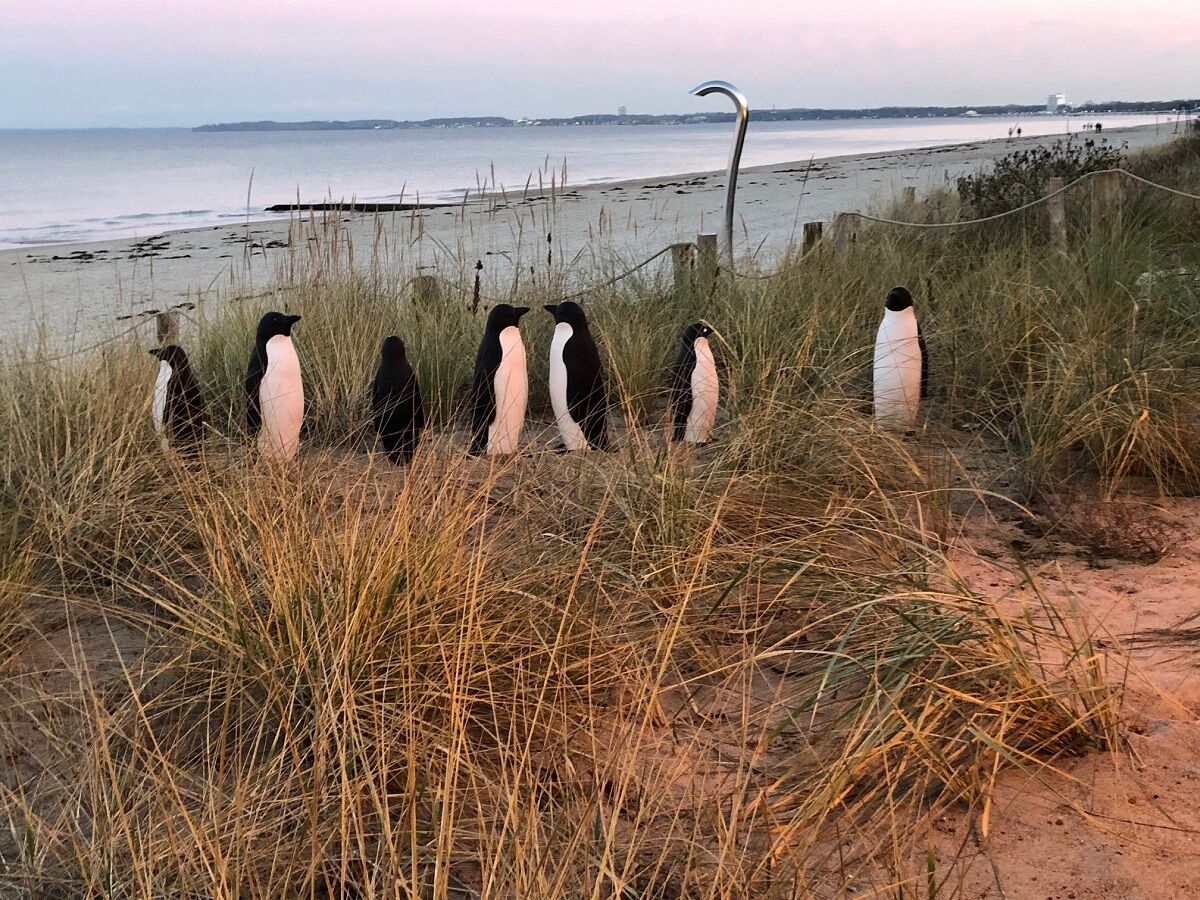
(577, 381)
(274, 389)
(500, 388)
(695, 387)
(396, 402)
(901, 366)
(178, 406)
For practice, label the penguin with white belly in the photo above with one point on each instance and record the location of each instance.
(901, 363)
(577, 390)
(695, 387)
(178, 406)
(275, 389)
(500, 388)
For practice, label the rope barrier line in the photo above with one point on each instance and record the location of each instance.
(1030, 205)
(769, 275)
(1161, 187)
(612, 281)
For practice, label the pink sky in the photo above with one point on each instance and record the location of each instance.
(165, 62)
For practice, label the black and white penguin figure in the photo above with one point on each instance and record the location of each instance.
(396, 402)
(274, 389)
(901, 363)
(577, 381)
(695, 387)
(500, 389)
(178, 406)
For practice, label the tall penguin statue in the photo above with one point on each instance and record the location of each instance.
(901, 366)
(500, 388)
(577, 381)
(396, 402)
(695, 387)
(274, 389)
(178, 406)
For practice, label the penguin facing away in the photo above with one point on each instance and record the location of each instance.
(901, 363)
(396, 402)
(275, 389)
(577, 390)
(500, 388)
(695, 387)
(178, 407)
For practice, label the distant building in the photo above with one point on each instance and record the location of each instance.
(1056, 102)
(972, 114)
(621, 111)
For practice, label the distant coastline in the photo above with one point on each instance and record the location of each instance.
(799, 114)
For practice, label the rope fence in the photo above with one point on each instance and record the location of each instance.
(688, 269)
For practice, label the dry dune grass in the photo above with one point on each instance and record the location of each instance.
(743, 671)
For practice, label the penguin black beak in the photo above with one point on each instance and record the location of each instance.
(551, 308)
(153, 352)
(521, 310)
(292, 320)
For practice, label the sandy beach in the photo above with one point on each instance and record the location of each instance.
(76, 293)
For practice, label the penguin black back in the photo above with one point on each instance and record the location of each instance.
(396, 402)
(270, 325)
(488, 358)
(584, 395)
(182, 411)
(680, 387)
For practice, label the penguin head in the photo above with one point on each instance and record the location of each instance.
(274, 324)
(171, 354)
(694, 331)
(503, 315)
(392, 349)
(569, 312)
(898, 299)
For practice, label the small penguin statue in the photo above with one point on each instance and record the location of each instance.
(695, 387)
(500, 388)
(901, 368)
(396, 402)
(178, 406)
(577, 381)
(275, 389)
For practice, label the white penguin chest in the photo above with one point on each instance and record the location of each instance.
(572, 435)
(705, 390)
(281, 397)
(897, 369)
(511, 387)
(161, 386)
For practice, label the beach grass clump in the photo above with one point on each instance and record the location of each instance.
(381, 684)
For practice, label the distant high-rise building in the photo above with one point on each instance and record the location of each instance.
(621, 111)
(1055, 102)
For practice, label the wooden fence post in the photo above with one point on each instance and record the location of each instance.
(706, 259)
(1107, 194)
(166, 327)
(844, 232)
(812, 236)
(1056, 214)
(683, 259)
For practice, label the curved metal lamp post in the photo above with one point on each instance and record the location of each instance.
(735, 154)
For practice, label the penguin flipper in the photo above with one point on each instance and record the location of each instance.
(254, 377)
(587, 399)
(680, 393)
(483, 405)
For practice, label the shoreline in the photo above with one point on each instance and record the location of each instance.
(80, 290)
